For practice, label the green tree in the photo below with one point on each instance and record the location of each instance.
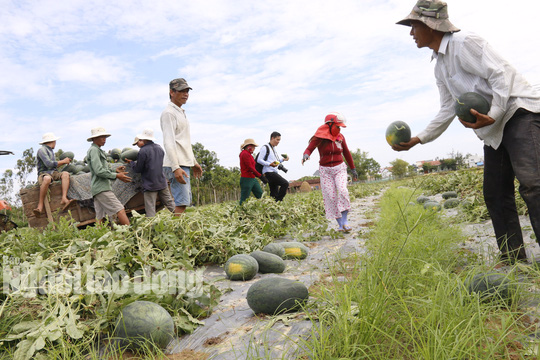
(25, 166)
(365, 166)
(399, 168)
(6, 186)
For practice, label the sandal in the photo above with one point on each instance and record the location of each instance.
(346, 228)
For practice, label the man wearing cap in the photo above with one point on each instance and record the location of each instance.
(150, 165)
(467, 63)
(179, 157)
(105, 202)
(271, 162)
(47, 172)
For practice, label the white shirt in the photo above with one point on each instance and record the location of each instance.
(467, 63)
(176, 138)
(272, 156)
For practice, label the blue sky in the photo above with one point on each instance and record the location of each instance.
(254, 67)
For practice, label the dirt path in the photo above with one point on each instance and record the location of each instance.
(234, 332)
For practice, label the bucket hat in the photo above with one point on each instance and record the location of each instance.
(136, 140)
(248, 142)
(336, 118)
(433, 13)
(48, 137)
(147, 134)
(179, 84)
(96, 132)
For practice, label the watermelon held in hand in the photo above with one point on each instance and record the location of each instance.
(144, 321)
(130, 154)
(276, 295)
(241, 267)
(67, 154)
(468, 101)
(398, 132)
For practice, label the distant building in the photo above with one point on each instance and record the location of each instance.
(474, 160)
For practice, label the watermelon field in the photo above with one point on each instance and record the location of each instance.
(409, 282)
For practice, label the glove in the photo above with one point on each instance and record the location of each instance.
(354, 174)
(305, 158)
(263, 179)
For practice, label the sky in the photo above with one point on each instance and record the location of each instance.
(254, 66)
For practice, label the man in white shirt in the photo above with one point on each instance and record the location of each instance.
(271, 162)
(510, 130)
(179, 157)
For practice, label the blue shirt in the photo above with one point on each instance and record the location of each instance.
(150, 164)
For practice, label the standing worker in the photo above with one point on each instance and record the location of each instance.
(510, 130)
(332, 148)
(179, 157)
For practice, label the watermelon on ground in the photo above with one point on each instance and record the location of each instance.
(398, 132)
(241, 267)
(143, 321)
(468, 101)
(276, 295)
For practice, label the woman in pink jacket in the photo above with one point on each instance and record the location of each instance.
(333, 170)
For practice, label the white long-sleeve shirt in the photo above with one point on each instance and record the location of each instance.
(176, 138)
(467, 63)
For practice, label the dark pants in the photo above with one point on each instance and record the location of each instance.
(278, 185)
(518, 156)
(247, 186)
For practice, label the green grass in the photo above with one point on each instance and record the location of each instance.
(406, 298)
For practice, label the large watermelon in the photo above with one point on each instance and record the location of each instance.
(130, 154)
(398, 132)
(143, 321)
(241, 267)
(468, 101)
(268, 263)
(66, 154)
(295, 250)
(276, 295)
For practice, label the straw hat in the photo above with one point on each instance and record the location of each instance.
(147, 134)
(97, 132)
(48, 137)
(248, 142)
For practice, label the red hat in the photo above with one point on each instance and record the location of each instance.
(336, 118)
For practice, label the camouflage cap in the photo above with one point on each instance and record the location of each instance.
(179, 85)
(433, 13)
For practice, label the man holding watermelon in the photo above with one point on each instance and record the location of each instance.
(510, 129)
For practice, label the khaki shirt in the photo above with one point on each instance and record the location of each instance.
(102, 174)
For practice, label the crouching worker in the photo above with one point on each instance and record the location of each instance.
(105, 202)
(47, 172)
(150, 165)
(248, 173)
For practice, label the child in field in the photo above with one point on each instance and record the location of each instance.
(105, 202)
(150, 165)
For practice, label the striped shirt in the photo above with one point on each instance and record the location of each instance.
(467, 63)
(46, 162)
